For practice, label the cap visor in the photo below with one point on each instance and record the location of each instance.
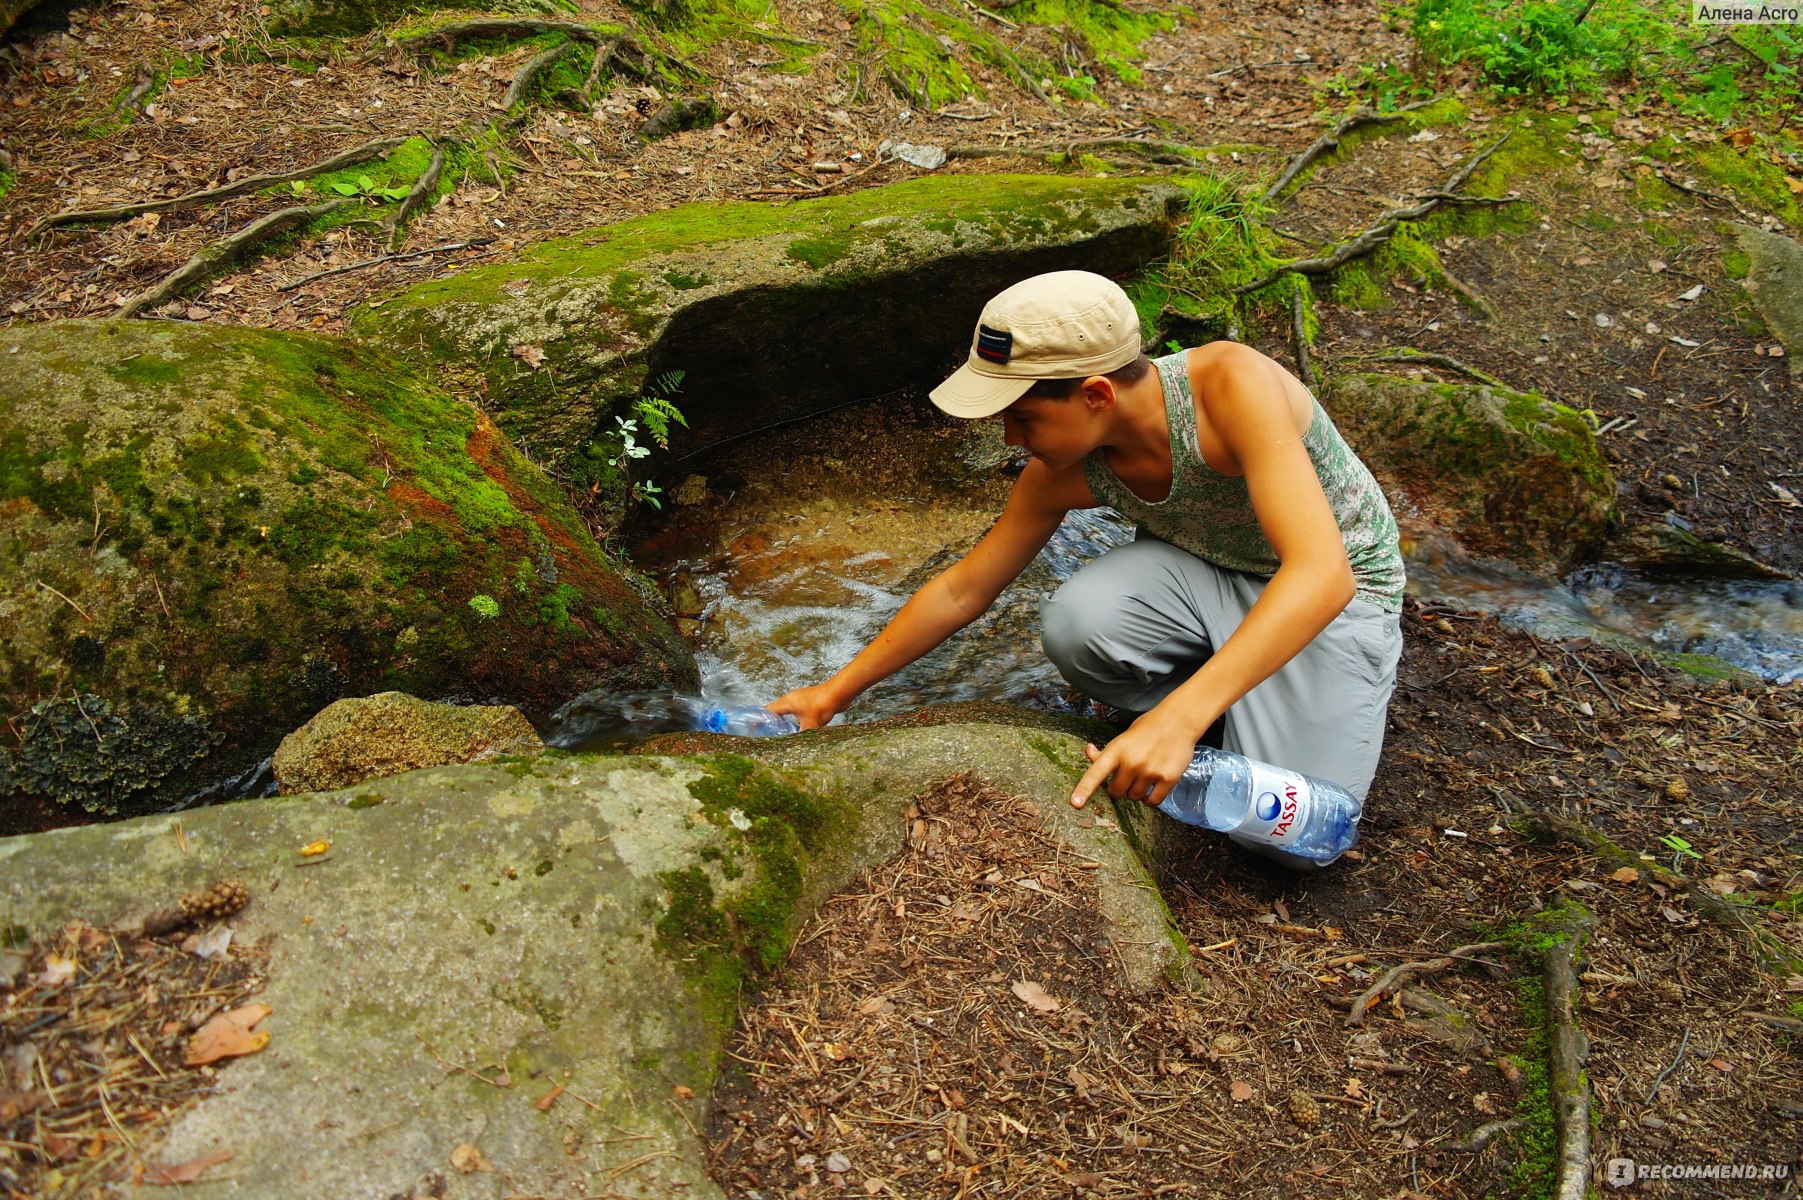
(968, 394)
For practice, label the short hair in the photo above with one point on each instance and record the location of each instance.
(1060, 389)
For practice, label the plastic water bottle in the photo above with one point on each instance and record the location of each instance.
(1297, 819)
(747, 720)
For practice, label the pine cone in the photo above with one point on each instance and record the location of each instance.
(217, 902)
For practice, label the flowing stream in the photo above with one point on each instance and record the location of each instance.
(787, 553)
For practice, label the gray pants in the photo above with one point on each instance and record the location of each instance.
(1131, 626)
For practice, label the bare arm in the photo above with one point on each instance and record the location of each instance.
(1245, 400)
(953, 598)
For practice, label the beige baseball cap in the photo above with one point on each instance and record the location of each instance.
(1062, 325)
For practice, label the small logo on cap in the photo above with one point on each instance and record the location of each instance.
(993, 345)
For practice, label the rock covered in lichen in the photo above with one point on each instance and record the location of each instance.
(208, 534)
(373, 736)
(1509, 474)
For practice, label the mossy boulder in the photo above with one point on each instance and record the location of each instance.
(1661, 548)
(1508, 474)
(579, 923)
(207, 535)
(372, 737)
(769, 312)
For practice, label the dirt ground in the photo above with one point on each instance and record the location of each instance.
(1506, 756)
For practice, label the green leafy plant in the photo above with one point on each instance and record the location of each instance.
(486, 607)
(363, 185)
(1680, 847)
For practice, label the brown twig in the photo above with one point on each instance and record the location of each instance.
(382, 258)
(78, 608)
(1395, 977)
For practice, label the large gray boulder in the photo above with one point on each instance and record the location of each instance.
(577, 922)
(208, 534)
(768, 312)
(1775, 282)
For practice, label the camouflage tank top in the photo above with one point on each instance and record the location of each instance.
(1210, 514)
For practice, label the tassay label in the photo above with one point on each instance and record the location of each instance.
(1279, 800)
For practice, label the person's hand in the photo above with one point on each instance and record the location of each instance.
(1144, 762)
(811, 706)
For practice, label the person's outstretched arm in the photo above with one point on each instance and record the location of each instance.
(953, 598)
(1244, 401)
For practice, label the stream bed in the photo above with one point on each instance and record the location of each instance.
(786, 553)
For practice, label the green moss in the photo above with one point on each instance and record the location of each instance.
(1756, 180)
(1065, 758)
(1736, 264)
(365, 800)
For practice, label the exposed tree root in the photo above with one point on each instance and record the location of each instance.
(1567, 1052)
(1330, 141)
(526, 79)
(238, 187)
(423, 187)
(1771, 951)
(223, 254)
(1370, 239)
(1395, 977)
(620, 46)
(1305, 367)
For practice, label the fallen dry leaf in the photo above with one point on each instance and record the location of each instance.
(186, 1172)
(1625, 875)
(1034, 996)
(544, 1102)
(57, 970)
(315, 849)
(532, 356)
(1241, 1091)
(1355, 1089)
(683, 1093)
(467, 1159)
(229, 1035)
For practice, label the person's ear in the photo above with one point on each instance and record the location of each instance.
(1098, 393)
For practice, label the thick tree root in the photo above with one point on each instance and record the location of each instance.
(1567, 1052)
(238, 187)
(1330, 141)
(1305, 366)
(1370, 239)
(223, 254)
(525, 80)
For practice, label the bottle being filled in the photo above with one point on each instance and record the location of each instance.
(1300, 821)
(743, 720)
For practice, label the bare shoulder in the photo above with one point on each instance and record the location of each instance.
(1221, 362)
(1049, 491)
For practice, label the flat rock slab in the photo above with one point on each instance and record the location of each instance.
(544, 923)
(768, 312)
(1775, 281)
